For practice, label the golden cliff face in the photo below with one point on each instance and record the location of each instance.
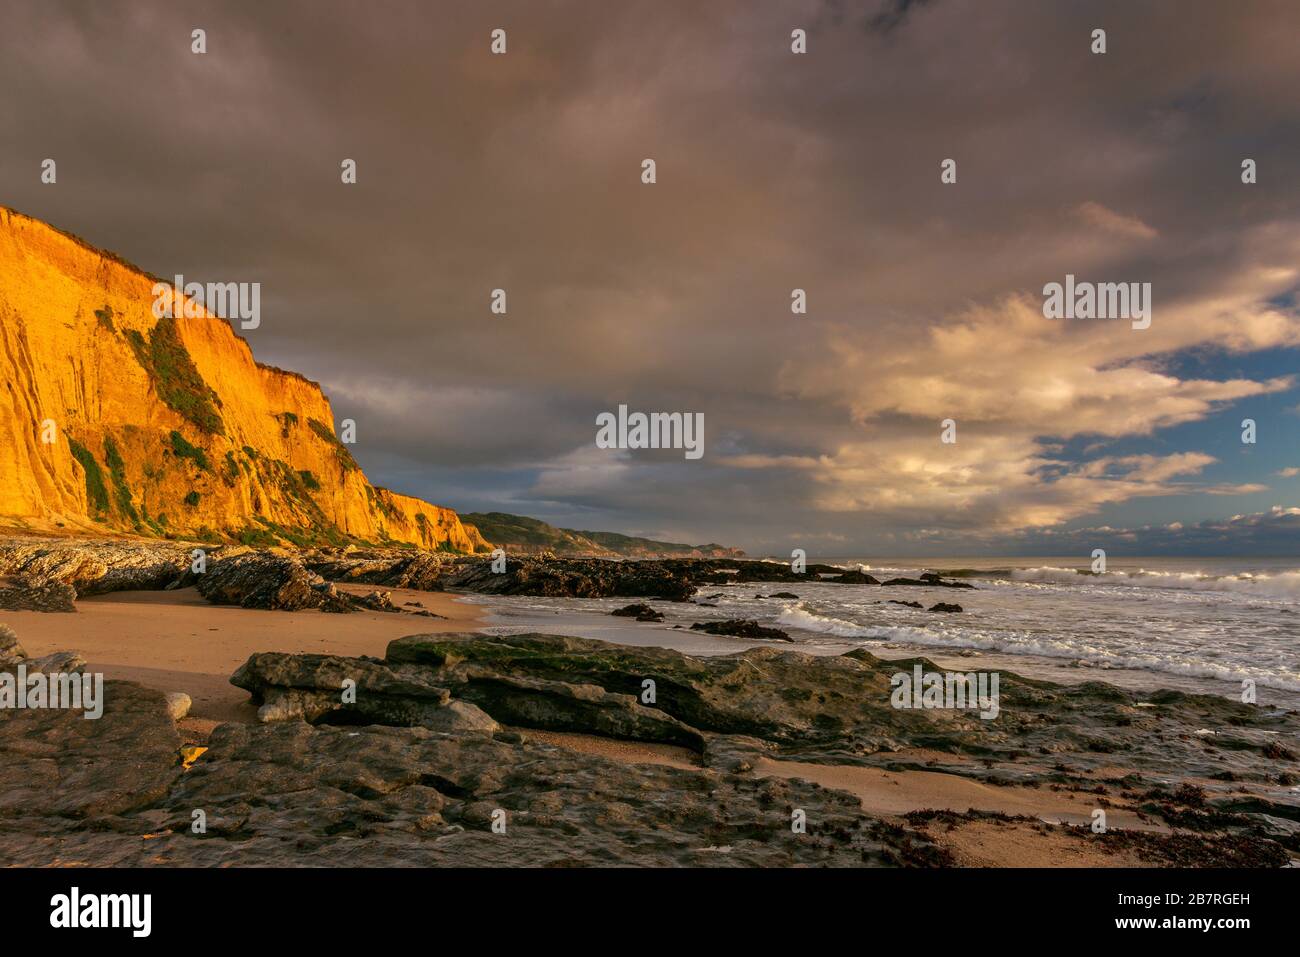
(115, 420)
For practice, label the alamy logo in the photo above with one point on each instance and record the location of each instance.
(74, 909)
(946, 689)
(1106, 300)
(74, 692)
(654, 430)
(229, 300)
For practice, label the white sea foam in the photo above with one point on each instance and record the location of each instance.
(1088, 653)
(1212, 622)
(1283, 585)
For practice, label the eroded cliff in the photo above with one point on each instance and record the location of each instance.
(116, 420)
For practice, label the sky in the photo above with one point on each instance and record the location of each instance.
(775, 171)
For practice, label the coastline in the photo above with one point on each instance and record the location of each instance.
(454, 692)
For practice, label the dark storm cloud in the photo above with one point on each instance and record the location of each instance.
(775, 171)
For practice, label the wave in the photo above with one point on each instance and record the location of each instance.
(1021, 643)
(1280, 585)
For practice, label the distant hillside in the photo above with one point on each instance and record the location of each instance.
(519, 533)
(522, 534)
(644, 547)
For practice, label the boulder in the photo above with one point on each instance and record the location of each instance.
(740, 628)
(376, 601)
(854, 578)
(640, 612)
(929, 580)
(178, 704)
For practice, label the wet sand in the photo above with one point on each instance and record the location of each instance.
(627, 752)
(177, 641)
(895, 793)
(892, 794)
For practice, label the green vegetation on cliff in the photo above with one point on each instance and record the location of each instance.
(96, 491)
(326, 435)
(117, 471)
(182, 449)
(174, 376)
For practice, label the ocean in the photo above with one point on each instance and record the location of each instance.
(1194, 624)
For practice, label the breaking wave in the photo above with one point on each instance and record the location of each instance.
(1022, 643)
(1280, 585)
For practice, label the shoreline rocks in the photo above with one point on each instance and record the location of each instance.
(740, 628)
(928, 580)
(436, 738)
(39, 572)
(641, 612)
(23, 593)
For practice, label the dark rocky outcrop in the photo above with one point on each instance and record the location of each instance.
(854, 578)
(313, 687)
(282, 582)
(576, 578)
(393, 568)
(96, 567)
(945, 606)
(906, 604)
(639, 611)
(786, 698)
(928, 580)
(741, 628)
(377, 601)
(277, 582)
(93, 567)
(24, 593)
(811, 707)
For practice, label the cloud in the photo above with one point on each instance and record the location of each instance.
(776, 172)
(1109, 221)
(1266, 533)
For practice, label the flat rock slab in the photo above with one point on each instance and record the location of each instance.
(57, 765)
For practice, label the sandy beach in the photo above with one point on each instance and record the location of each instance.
(176, 641)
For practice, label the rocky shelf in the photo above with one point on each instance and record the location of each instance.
(449, 735)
